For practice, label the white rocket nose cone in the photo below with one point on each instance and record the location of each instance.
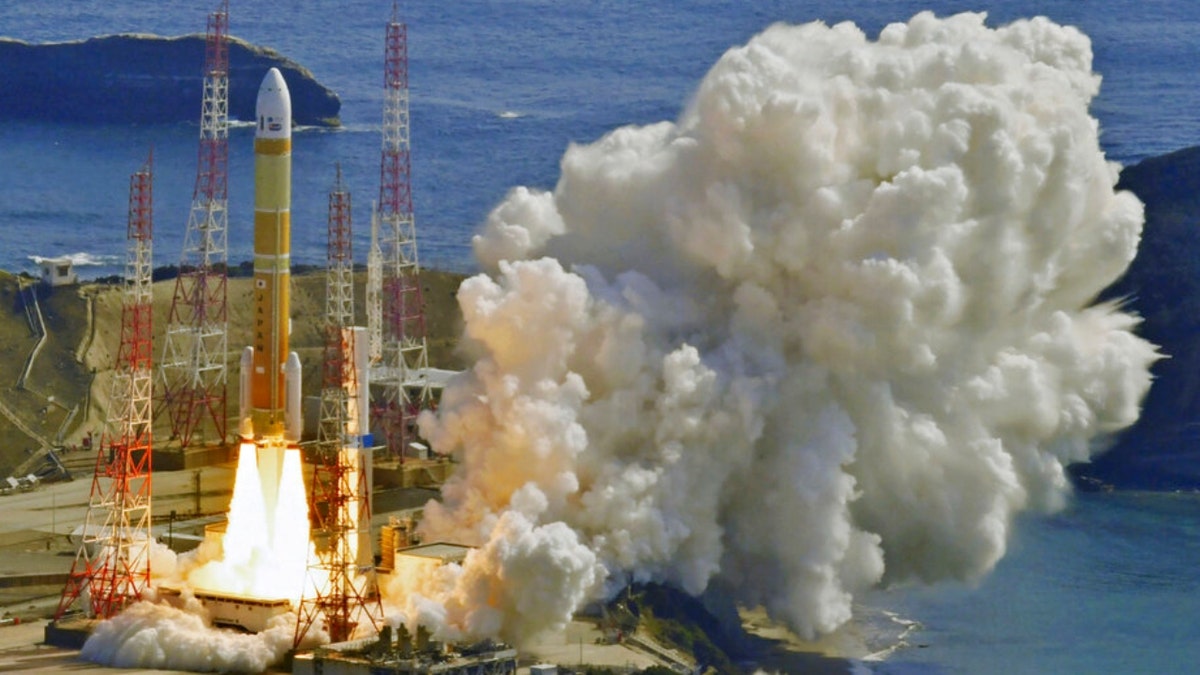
(274, 107)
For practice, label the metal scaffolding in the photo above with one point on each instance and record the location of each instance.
(404, 357)
(112, 566)
(194, 352)
(340, 588)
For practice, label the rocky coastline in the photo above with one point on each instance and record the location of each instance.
(144, 79)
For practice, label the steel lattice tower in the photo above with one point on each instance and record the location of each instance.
(341, 480)
(405, 360)
(374, 292)
(112, 567)
(194, 352)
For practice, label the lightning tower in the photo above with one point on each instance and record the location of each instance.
(341, 585)
(374, 293)
(194, 351)
(112, 566)
(404, 358)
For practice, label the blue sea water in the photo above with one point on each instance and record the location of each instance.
(1109, 585)
(499, 89)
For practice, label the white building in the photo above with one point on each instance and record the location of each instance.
(58, 272)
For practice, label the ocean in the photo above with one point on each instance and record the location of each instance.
(499, 90)
(1109, 585)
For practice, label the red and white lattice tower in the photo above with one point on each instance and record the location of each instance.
(112, 567)
(194, 350)
(404, 371)
(341, 587)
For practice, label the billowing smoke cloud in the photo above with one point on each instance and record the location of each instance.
(155, 634)
(149, 635)
(829, 329)
(832, 328)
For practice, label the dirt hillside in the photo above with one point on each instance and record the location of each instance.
(63, 392)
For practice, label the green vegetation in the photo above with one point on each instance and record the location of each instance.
(681, 622)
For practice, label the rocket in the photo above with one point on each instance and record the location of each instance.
(268, 514)
(270, 374)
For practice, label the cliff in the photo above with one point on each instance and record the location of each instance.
(144, 79)
(1162, 451)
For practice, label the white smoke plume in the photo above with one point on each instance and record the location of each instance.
(150, 635)
(831, 328)
(154, 634)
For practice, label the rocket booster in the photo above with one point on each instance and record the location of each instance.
(273, 380)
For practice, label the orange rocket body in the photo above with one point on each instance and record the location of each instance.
(273, 380)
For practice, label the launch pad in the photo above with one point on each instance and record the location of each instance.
(227, 610)
(264, 561)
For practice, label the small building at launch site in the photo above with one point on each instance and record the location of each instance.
(226, 610)
(58, 272)
(399, 651)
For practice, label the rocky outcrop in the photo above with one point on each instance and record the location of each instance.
(144, 79)
(1162, 451)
